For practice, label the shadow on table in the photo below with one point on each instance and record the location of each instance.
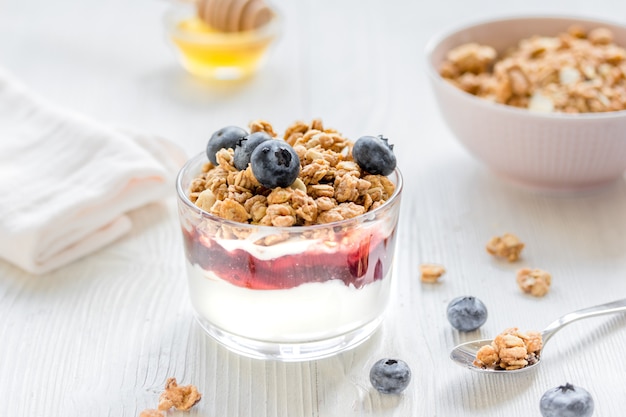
(177, 85)
(338, 385)
(590, 223)
(590, 346)
(478, 392)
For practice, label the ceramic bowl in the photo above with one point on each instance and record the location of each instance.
(556, 151)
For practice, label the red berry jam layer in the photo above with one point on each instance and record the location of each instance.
(356, 265)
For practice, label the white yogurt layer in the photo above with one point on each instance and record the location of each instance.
(308, 312)
(264, 253)
(295, 244)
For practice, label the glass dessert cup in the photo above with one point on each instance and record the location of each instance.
(222, 56)
(288, 293)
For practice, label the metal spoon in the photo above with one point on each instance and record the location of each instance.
(464, 354)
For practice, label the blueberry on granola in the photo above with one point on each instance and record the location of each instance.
(390, 376)
(374, 154)
(226, 137)
(275, 164)
(245, 146)
(566, 401)
(466, 313)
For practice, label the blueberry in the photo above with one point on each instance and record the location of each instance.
(246, 146)
(275, 164)
(374, 155)
(226, 137)
(566, 401)
(467, 313)
(390, 376)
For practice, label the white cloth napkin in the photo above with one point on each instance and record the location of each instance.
(66, 181)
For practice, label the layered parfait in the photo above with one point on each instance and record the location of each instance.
(290, 240)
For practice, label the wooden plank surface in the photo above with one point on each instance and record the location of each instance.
(100, 336)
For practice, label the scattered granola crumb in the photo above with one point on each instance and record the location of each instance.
(506, 246)
(431, 272)
(573, 72)
(179, 397)
(535, 282)
(510, 350)
(151, 413)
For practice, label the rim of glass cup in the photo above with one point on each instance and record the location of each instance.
(370, 215)
(174, 15)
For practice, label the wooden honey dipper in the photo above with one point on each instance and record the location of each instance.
(234, 15)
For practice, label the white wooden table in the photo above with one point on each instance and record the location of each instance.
(100, 336)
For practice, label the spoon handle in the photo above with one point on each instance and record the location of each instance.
(608, 308)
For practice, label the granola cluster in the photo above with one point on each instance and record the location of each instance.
(175, 396)
(574, 72)
(535, 282)
(510, 350)
(330, 187)
(181, 397)
(506, 246)
(431, 273)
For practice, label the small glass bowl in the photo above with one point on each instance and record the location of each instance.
(223, 56)
(288, 293)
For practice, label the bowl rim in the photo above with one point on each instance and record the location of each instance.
(449, 31)
(183, 197)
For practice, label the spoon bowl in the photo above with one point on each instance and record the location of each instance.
(465, 353)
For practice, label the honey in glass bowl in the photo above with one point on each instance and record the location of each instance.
(216, 55)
